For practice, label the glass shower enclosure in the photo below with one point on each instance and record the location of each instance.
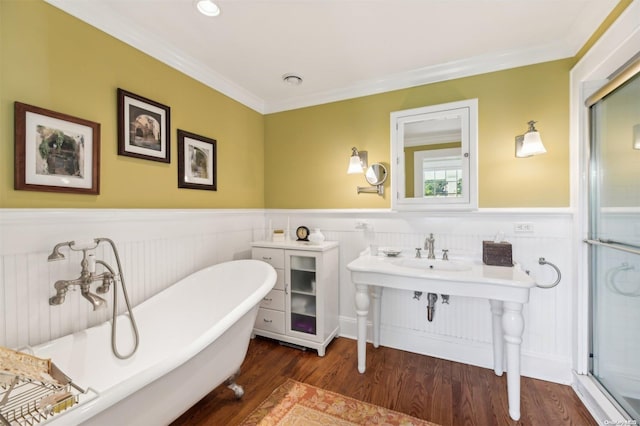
(614, 240)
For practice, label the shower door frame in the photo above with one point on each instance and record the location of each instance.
(612, 51)
(629, 71)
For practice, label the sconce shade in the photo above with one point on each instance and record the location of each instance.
(357, 162)
(354, 165)
(636, 136)
(530, 143)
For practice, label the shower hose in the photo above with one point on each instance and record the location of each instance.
(134, 327)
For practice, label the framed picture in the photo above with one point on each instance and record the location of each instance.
(143, 128)
(55, 152)
(196, 161)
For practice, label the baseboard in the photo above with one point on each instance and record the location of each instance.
(598, 404)
(537, 366)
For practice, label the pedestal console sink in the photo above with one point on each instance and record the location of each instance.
(506, 288)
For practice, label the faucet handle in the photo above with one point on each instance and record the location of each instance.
(445, 254)
(418, 255)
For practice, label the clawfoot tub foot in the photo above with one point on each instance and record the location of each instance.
(238, 391)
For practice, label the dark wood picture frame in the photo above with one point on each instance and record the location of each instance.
(55, 152)
(143, 128)
(196, 161)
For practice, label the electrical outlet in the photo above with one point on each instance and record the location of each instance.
(522, 227)
(362, 224)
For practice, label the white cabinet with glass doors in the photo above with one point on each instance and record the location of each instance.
(302, 308)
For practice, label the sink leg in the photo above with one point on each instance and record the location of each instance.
(498, 338)
(362, 310)
(377, 301)
(513, 325)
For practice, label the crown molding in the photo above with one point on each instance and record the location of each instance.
(441, 72)
(99, 15)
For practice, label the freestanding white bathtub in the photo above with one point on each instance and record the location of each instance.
(193, 336)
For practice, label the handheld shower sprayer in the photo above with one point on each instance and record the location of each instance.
(73, 245)
(55, 253)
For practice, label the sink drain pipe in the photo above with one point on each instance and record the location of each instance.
(432, 298)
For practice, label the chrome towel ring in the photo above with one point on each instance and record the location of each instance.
(542, 261)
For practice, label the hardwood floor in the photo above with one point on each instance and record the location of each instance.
(443, 392)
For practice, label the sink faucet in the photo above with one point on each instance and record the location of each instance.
(428, 245)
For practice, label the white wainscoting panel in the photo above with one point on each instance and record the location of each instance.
(157, 248)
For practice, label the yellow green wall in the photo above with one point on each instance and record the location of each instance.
(307, 150)
(54, 61)
(293, 159)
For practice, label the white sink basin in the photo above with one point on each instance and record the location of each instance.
(433, 264)
(457, 276)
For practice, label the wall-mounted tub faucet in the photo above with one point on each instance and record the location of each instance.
(87, 276)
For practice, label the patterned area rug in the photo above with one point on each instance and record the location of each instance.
(299, 404)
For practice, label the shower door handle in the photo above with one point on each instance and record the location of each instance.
(629, 248)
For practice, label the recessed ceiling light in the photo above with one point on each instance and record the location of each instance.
(292, 79)
(207, 7)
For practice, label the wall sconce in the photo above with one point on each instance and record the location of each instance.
(530, 143)
(357, 162)
(636, 136)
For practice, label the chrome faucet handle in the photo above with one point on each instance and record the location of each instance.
(418, 255)
(445, 254)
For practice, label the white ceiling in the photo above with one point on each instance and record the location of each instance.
(343, 48)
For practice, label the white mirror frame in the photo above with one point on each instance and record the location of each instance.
(468, 111)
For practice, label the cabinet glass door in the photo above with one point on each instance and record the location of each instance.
(303, 301)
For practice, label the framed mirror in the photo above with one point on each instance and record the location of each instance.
(434, 149)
